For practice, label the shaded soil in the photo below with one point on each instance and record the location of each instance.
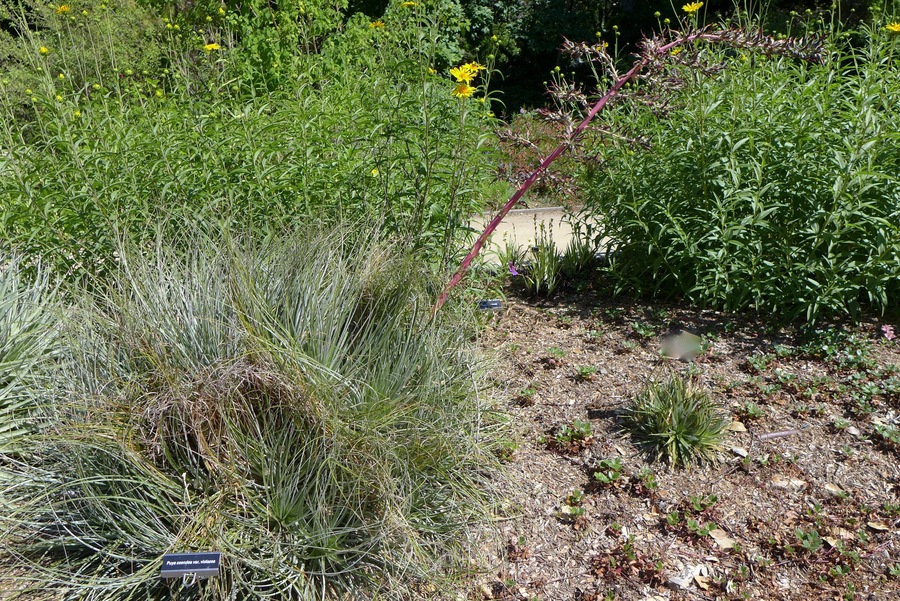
(810, 515)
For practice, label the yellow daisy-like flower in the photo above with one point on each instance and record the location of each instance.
(462, 74)
(375, 172)
(211, 47)
(409, 4)
(893, 28)
(466, 73)
(62, 9)
(44, 50)
(376, 24)
(76, 114)
(692, 7)
(432, 71)
(676, 51)
(463, 90)
(221, 11)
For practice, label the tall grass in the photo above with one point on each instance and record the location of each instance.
(772, 185)
(28, 343)
(291, 407)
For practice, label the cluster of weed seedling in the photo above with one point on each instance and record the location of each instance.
(569, 439)
(694, 518)
(625, 560)
(572, 511)
(849, 377)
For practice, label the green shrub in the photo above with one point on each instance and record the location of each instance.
(675, 420)
(293, 407)
(772, 185)
(364, 130)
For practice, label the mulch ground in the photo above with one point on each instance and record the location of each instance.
(813, 514)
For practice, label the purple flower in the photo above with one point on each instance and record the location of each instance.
(512, 269)
(888, 332)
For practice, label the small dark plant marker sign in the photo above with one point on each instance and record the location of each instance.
(201, 565)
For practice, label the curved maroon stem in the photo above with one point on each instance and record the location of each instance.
(638, 66)
(464, 266)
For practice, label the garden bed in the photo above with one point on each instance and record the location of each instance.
(811, 515)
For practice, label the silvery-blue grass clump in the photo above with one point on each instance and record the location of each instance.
(293, 407)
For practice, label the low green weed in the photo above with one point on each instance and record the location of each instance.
(577, 431)
(585, 373)
(570, 438)
(809, 540)
(608, 472)
(750, 411)
(888, 436)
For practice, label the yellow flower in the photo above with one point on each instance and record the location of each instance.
(62, 9)
(676, 51)
(466, 73)
(159, 93)
(462, 74)
(211, 47)
(431, 71)
(409, 4)
(76, 114)
(376, 24)
(463, 90)
(44, 50)
(84, 13)
(692, 7)
(375, 172)
(62, 76)
(893, 28)
(221, 11)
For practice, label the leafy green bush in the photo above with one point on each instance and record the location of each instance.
(294, 407)
(675, 420)
(772, 185)
(364, 130)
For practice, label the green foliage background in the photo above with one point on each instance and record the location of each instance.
(293, 116)
(773, 185)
